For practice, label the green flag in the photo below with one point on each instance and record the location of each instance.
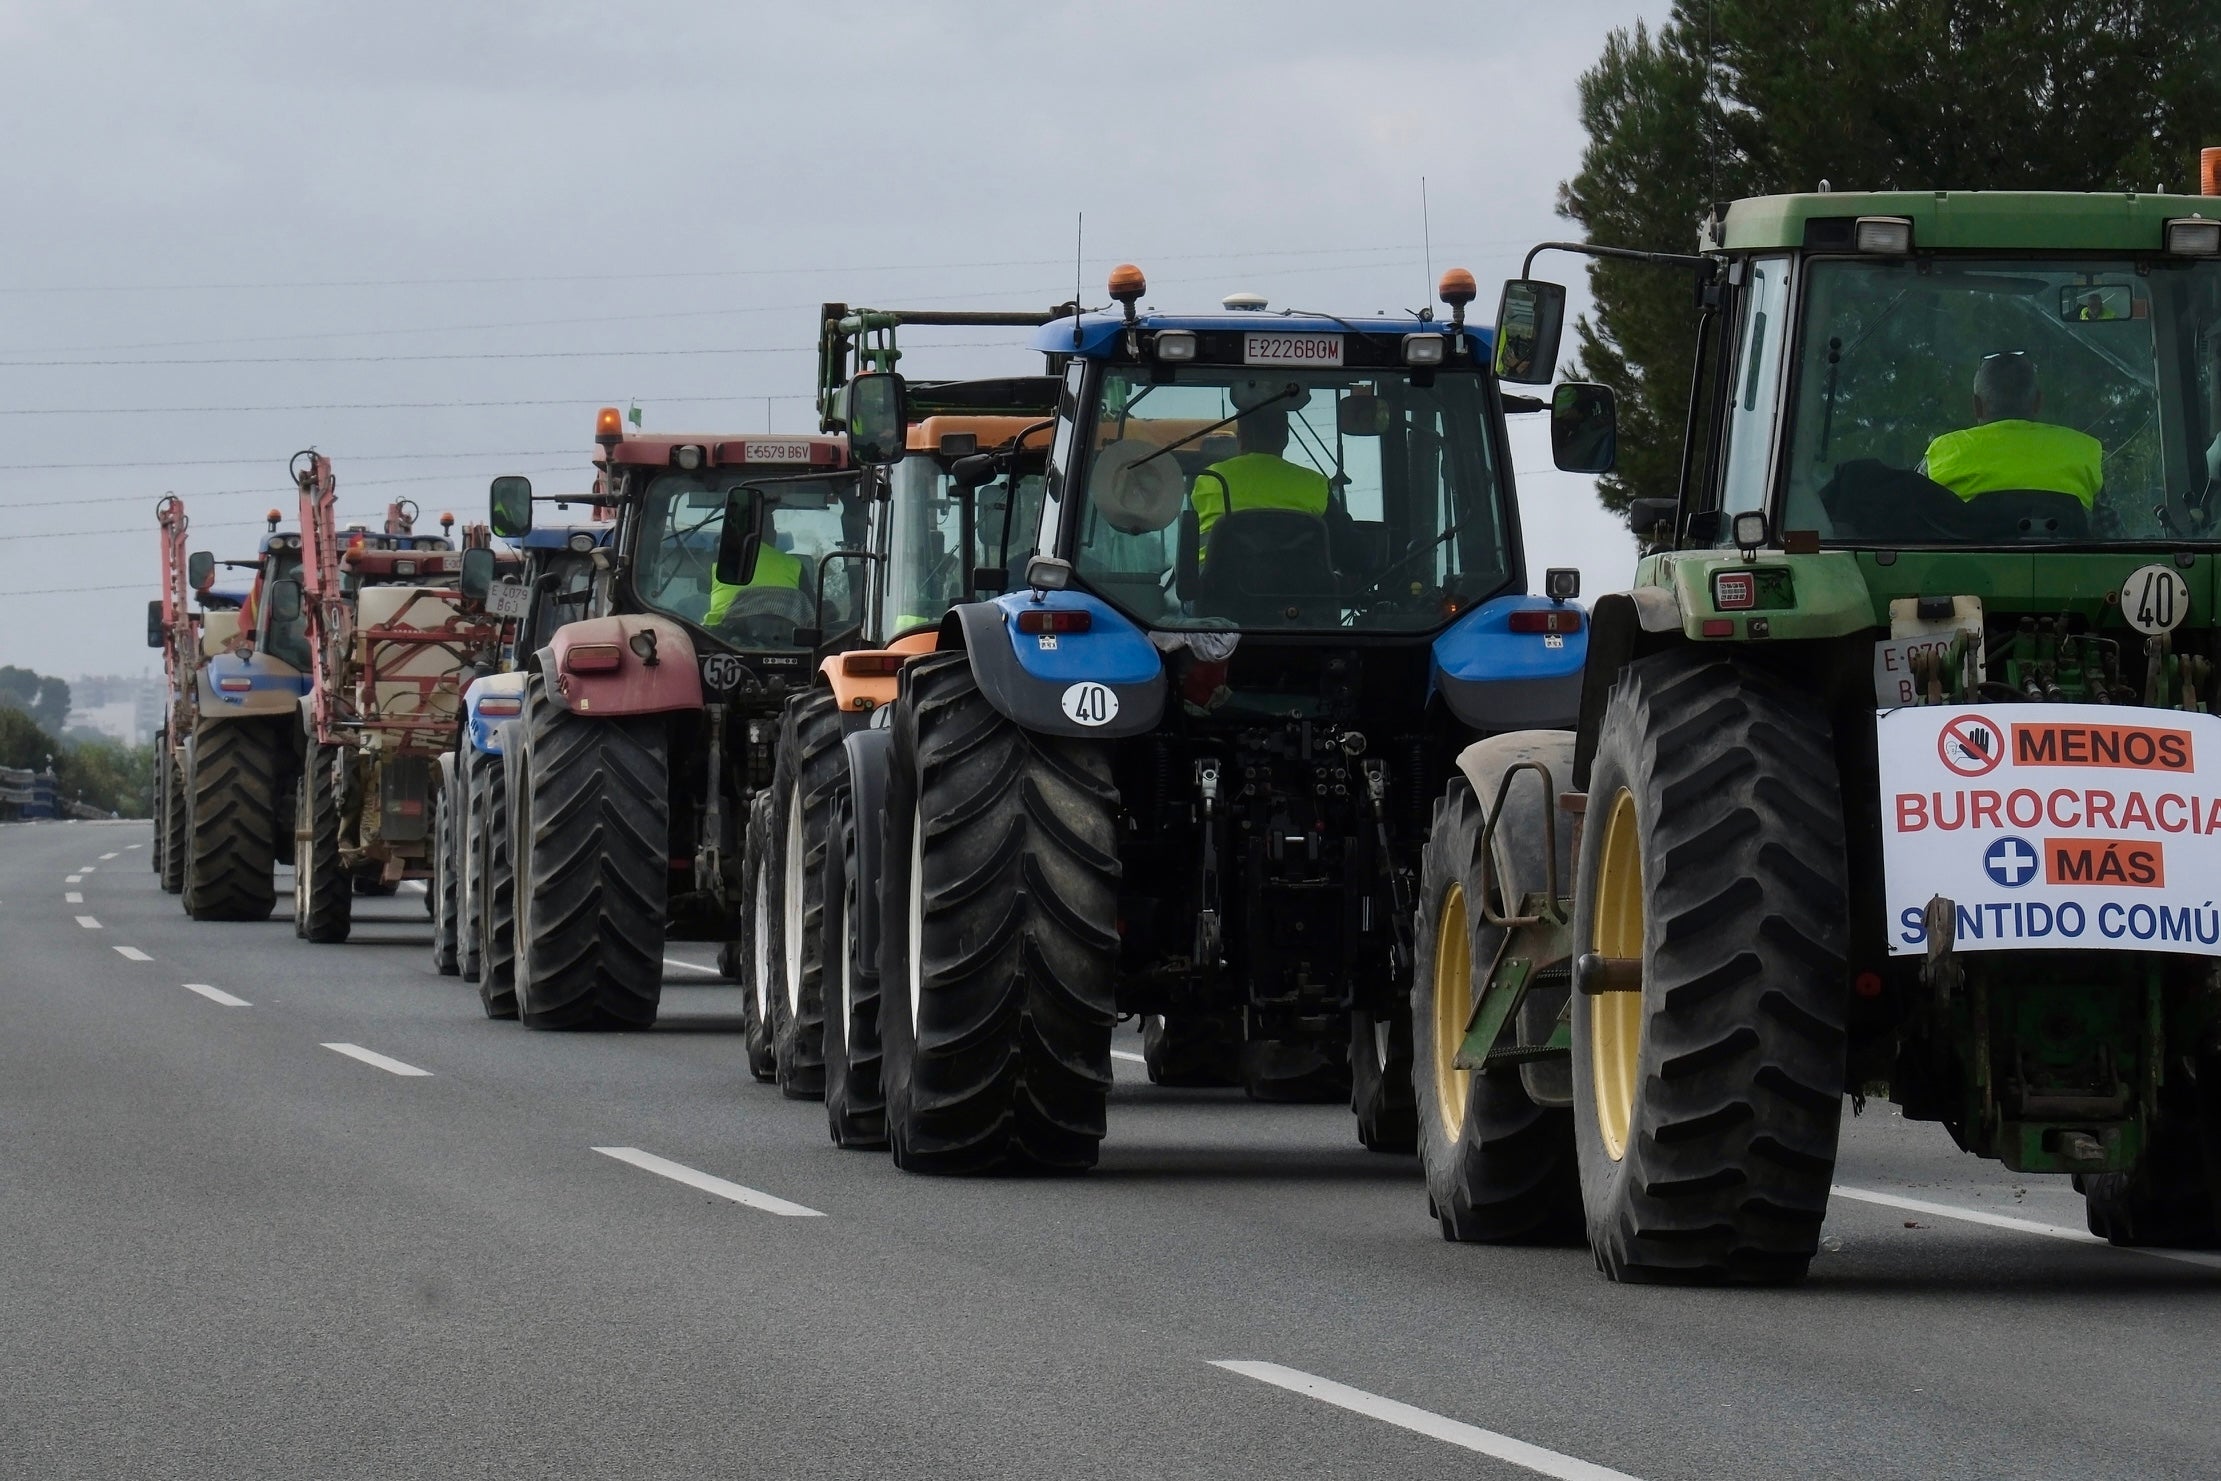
(633, 416)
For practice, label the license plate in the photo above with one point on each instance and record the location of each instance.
(1291, 349)
(508, 599)
(764, 450)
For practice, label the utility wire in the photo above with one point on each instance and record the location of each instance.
(145, 411)
(269, 490)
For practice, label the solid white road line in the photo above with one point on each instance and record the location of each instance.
(72, 897)
(1420, 1421)
(414, 886)
(107, 856)
(73, 879)
(672, 961)
(2019, 1226)
(217, 995)
(88, 923)
(371, 1057)
(679, 1172)
(1129, 1054)
(132, 954)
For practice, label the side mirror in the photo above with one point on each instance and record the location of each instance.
(741, 539)
(878, 414)
(971, 472)
(1584, 428)
(478, 573)
(200, 570)
(1651, 520)
(1529, 320)
(990, 581)
(1361, 414)
(154, 623)
(511, 506)
(285, 600)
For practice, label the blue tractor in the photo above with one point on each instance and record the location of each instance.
(1184, 770)
(474, 883)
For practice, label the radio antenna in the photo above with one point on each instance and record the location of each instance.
(1426, 242)
(1079, 273)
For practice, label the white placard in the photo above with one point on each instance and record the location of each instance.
(508, 599)
(766, 450)
(2155, 599)
(2053, 827)
(1291, 349)
(1090, 704)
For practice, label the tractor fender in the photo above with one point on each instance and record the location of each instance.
(1494, 679)
(870, 754)
(634, 686)
(1624, 626)
(1059, 684)
(481, 726)
(857, 693)
(232, 686)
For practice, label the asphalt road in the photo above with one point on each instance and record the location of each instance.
(230, 1249)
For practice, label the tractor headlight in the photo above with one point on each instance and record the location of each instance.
(2193, 236)
(1176, 345)
(1892, 235)
(1424, 349)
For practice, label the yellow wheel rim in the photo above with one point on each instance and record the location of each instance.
(1453, 1007)
(1616, 1018)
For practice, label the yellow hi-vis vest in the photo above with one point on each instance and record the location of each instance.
(1256, 481)
(774, 567)
(2010, 454)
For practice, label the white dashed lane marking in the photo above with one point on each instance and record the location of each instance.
(107, 856)
(1130, 1055)
(132, 954)
(2019, 1226)
(217, 995)
(679, 1172)
(672, 961)
(372, 1057)
(73, 879)
(1424, 1422)
(88, 923)
(72, 897)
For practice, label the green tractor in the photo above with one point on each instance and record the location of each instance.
(1896, 773)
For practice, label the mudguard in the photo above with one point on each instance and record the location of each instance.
(1104, 684)
(481, 723)
(1494, 679)
(870, 758)
(634, 686)
(861, 693)
(233, 685)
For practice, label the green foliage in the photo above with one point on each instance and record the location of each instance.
(44, 698)
(106, 774)
(1752, 97)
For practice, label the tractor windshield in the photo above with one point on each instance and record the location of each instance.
(682, 519)
(928, 567)
(283, 638)
(1292, 499)
(1985, 402)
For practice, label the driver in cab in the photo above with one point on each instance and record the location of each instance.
(777, 572)
(1257, 476)
(2008, 448)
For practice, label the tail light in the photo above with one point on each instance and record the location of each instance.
(503, 708)
(1055, 620)
(1546, 620)
(235, 685)
(871, 665)
(593, 658)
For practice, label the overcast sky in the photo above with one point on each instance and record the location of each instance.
(429, 239)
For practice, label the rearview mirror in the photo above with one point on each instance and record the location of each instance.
(154, 623)
(1584, 428)
(478, 573)
(878, 414)
(200, 570)
(1529, 319)
(741, 540)
(511, 506)
(970, 472)
(1361, 414)
(285, 600)
(2095, 303)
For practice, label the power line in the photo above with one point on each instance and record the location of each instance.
(148, 411)
(266, 457)
(273, 491)
(402, 359)
(62, 591)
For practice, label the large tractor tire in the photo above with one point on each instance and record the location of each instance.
(1500, 1166)
(493, 852)
(169, 823)
(1192, 1049)
(443, 888)
(470, 897)
(855, 1106)
(810, 773)
(230, 799)
(1380, 1083)
(2172, 1199)
(323, 895)
(1707, 1103)
(758, 908)
(1000, 894)
(593, 868)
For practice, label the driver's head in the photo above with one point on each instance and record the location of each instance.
(1263, 431)
(2005, 388)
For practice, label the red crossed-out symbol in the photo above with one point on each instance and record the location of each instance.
(1971, 745)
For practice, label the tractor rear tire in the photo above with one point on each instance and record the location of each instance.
(1707, 1104)
(1000, 894)
(593, 872)
(442, 889)
(1199, 1050)
(495, 892)
(323, 895)
(1500, 1167)
(230, 798)
(170, 824)
(810, 772)
(755, 944)
(855, 1107)
(2172, 1198)
(470, 898)
(1380, 1083)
